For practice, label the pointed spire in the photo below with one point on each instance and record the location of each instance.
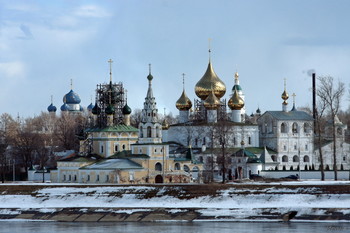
(209, 50)
(183, 81)
(110, 61)
(71, 84)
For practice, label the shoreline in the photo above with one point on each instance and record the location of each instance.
(281, 202)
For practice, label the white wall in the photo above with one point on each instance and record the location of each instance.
(342, 175)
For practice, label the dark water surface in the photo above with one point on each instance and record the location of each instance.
(188, 227)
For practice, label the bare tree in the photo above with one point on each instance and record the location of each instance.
(320, 124)
(222, 134)
(136, 117)
(331, 95)
(67, 127)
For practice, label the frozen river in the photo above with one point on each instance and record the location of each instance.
(175, 227)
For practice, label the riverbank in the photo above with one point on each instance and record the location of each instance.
(294, 201)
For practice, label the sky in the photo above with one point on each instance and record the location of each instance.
(45, 44)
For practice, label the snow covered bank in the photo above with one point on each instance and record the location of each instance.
(306, 201)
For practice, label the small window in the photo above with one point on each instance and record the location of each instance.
(177, 166)
(295, 146)
(158, 167)
(306, 147)
(284, 147)
(344, 158)
(306, 159)
(64, 177)
(295, 158)
(295, 127)
(101, 149)
(285, 158)
(249, 140)
(98, 178)
(234, 141)
(107, 178)
(123, 146)
(115, 148)
(70, 177)
(88, 177)
(75, 177)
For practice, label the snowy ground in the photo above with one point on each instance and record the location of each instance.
(232, 201)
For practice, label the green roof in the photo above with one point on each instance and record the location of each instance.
(290, 115)
(115, 128)
(111, 164)
(238, 88)
(128, 154)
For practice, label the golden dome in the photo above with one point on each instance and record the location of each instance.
(236, 102)
(211, 102)
(183, 103)
(284, 95)
(207, 82)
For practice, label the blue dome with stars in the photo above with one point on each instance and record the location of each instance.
(71, 98)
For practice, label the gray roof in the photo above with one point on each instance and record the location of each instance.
(291, 115)
(111, 164)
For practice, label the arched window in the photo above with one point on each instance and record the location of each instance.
(307, 128)
(285, 158)
(274, 158)
(149, 132)
(295, 158)
(186, 168)
(201, 159)
(283, 128)
(158, 167)
(177, 166)
(115, 148)
(295, 127)
(306, 159)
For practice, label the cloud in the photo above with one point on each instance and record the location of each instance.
(91, 11)
(12, 70)
(26, 31)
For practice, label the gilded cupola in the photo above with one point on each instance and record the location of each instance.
(208, 82)
(236, 102)
(285, 95)
(183, 103)
(211, 102)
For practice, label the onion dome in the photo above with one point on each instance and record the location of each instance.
(236, 86)
(90, 107)
(109, 110)
(236, 102)
(285, 95)
(96, 110)
(258, 111)
(65, 107)
(183, 103)
(71, 98)
(126, 110)
(51, 108)
(210, 81)
(211, 102)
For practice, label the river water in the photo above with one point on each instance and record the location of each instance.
(171, 227)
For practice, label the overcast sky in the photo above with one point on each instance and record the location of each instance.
(44, 44)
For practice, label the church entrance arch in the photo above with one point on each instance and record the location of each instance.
(159, 179)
